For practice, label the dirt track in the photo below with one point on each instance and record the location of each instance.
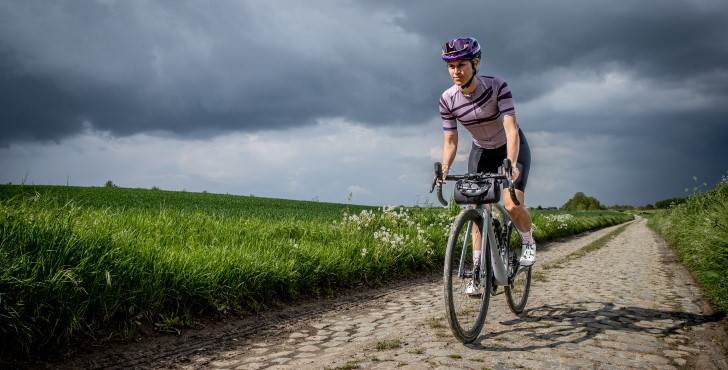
(626, 305)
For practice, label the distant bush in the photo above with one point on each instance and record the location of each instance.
(582, 202)
(110, 184)
(155, 188)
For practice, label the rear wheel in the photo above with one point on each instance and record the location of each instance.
(517, 291)
(465, 313)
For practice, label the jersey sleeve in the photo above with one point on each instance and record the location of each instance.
(448, 119)
(505, 99)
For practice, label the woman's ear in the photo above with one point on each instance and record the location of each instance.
(476, 63)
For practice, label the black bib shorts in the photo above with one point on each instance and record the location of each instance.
(488, 160)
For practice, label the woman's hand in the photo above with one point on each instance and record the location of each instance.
(441, 180)
(515, 173)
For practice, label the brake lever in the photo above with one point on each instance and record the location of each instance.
(438, 175)
(508, 167)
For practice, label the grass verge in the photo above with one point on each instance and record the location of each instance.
(698, 231)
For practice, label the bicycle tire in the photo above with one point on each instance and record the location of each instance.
(458, 316)
(518, 290)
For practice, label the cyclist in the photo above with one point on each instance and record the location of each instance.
(484, 106)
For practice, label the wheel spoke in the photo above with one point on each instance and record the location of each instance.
(466, 312)
(517, 291)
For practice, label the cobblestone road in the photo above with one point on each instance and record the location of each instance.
(626, 305)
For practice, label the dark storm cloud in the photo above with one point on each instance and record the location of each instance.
(194, 67)
(661, 157)
(525, 40)
(190, 67)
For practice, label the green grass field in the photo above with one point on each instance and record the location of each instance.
(145, 199)
(101, 262)
(698, 230)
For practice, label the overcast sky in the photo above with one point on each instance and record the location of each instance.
(625, 101)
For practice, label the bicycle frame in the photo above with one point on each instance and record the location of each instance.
(498, 264)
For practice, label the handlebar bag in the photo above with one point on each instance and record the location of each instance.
(477, 192)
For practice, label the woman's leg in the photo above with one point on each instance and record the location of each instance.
(474, 160)
(519, 213)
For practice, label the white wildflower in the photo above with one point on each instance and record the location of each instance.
(361, 221)
(383, 235)
(559, 218)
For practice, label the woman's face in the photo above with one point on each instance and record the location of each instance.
(460, 71)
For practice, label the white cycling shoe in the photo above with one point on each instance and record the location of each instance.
(528, 255)
(471, 289)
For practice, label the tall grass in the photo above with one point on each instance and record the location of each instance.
(698, 230)
(70, 266)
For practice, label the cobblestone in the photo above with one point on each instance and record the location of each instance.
(625, 305)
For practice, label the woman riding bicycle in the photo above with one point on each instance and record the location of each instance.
(484, 106)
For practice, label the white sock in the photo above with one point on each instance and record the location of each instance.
(527, 236)
(476, 257)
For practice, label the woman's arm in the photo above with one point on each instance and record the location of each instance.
(449, 148)
(513, 142)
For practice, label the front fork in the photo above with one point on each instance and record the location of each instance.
(499, 266)
(463, 252)
(488, 240)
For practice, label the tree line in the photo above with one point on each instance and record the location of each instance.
(583, 202)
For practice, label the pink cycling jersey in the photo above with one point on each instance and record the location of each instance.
(481, 112)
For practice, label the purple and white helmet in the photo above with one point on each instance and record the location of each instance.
(461, 48)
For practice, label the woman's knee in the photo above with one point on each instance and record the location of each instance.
(511, 207)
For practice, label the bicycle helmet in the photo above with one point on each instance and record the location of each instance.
(463, 48)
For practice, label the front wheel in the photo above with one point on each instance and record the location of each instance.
(517, 291)
(465, 312)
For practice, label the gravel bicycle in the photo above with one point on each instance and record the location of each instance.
(501, 245)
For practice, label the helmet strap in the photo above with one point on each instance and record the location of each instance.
(467, 84)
